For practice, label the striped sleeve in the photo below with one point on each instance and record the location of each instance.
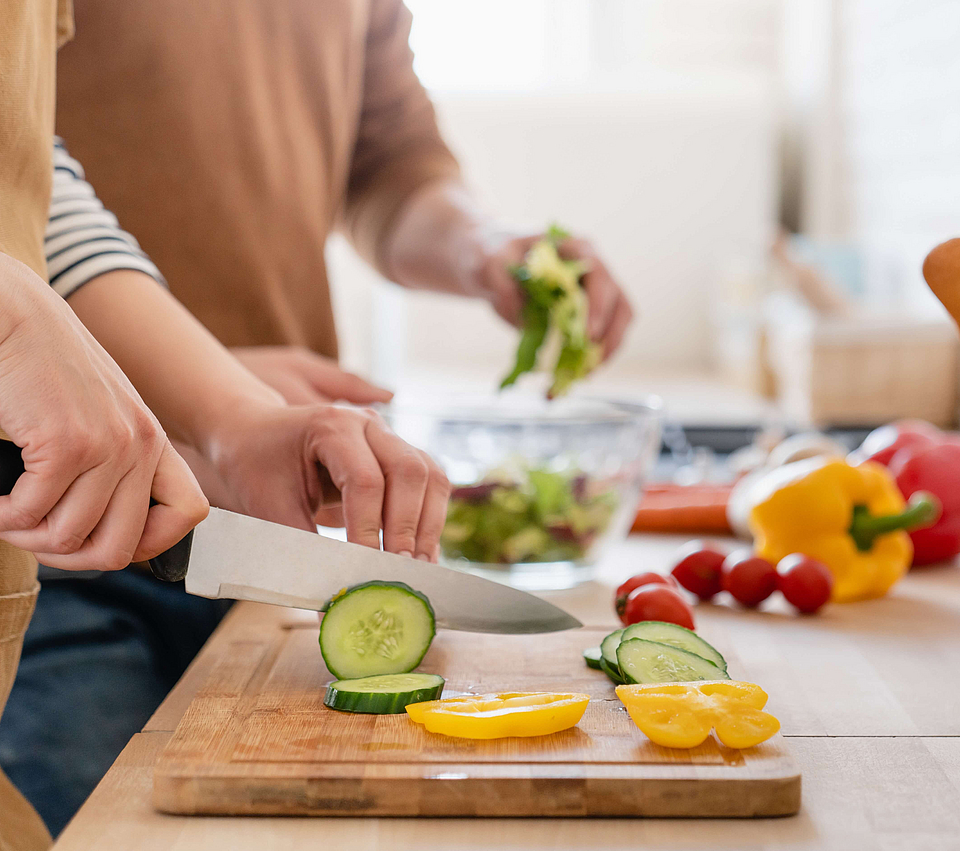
(83, 239)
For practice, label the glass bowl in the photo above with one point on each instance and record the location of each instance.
(540, 489)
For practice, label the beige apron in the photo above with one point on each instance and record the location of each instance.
(30, 32)
(20, 827)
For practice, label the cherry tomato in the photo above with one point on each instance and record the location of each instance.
(749, 578)
(884, 442)
(697, 568)
(805, 582)
(658, 603)
(634, 582)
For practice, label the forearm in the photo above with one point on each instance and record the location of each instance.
(189, 380)
(439, 241)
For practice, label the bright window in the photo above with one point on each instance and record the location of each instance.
(525, 45)
(497, 45)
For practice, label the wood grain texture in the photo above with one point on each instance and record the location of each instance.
(258, 740)
(871, 793)
(883, 667)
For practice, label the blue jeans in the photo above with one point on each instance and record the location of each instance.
(99, 656)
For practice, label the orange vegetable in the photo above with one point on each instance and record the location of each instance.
(693, 509)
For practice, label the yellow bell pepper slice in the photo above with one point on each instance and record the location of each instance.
(745, 727)
(674, 721)
(500, 716)
(748, 693)
(681, 716)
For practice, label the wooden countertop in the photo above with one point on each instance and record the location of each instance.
(868, 695)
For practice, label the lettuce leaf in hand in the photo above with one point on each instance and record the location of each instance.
(555, 304)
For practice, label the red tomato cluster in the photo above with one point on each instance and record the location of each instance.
(705, 571)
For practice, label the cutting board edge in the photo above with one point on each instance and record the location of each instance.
(704, 796)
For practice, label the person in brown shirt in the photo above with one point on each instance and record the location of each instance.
(233, 138)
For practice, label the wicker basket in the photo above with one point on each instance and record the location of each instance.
(863, 370)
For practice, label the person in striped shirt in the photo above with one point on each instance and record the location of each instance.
(83, 239)
(280, 462)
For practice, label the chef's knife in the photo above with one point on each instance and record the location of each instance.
(242, 558)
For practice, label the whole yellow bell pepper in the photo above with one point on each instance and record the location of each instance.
(500, 716)
(853, 519)
(680, 715)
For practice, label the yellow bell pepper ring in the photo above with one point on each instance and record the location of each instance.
(853, 519)
(681, 716)
(500, 716)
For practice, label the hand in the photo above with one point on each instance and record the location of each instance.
(286, 463)
(610, 312)
(303, 377)
(94, 453)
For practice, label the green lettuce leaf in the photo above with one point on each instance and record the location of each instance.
(555, 304)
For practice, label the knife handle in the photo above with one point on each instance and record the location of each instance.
(11, 466)
(170, 566)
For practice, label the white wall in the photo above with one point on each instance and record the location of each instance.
(900, 109)
(883, 135)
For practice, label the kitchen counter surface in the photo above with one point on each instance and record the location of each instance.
(868, 695)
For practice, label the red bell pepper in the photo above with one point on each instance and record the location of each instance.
(885, 442)
(922, 458)
(933, 467)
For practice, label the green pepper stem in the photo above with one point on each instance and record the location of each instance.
(922, 510)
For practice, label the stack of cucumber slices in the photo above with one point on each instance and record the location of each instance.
(371, 637)
(656, 652)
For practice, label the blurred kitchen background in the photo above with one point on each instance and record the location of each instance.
(763, 176)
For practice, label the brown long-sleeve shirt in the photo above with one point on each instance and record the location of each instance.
(231, 138)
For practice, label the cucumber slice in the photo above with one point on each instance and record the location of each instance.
(614, 674)
(608, 647)
(675, 636)
(642, 661)
(592, 657)
(376, 628)
(388, 694)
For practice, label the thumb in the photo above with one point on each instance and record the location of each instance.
(497, 281)
(180, 505)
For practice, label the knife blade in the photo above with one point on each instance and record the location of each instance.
(243, 558)
(237, 557)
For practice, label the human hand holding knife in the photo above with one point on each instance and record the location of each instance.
(238, 557)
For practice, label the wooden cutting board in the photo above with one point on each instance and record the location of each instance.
(257, 739)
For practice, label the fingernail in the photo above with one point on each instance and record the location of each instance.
(406, 553)
(423, 557)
